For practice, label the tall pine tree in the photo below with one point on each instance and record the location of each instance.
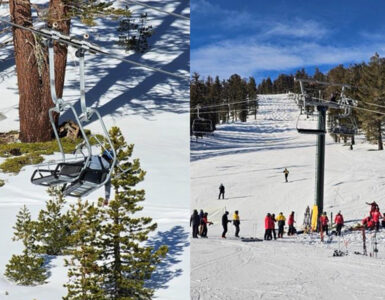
(128, 262)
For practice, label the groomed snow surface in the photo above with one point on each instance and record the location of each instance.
(249, 158)
(152, 111)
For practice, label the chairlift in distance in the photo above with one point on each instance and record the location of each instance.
(201, 126)
(73, 171)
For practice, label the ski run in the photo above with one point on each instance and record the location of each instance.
(249, 160)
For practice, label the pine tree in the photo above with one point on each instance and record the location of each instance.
(85, 279)
(28, 268)
(53, 225)
(128, 263)
(252, 96)
(372, 89)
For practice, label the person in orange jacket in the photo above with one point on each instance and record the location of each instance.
(290, 223)
(324, 220)
(268, 225)
(339, 220)
(376, 216)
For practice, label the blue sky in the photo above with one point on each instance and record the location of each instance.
(265, 38)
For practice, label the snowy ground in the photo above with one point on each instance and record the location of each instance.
(249, 159)
(151, 110)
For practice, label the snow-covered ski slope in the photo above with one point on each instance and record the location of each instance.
(249, 158)
(152, 111)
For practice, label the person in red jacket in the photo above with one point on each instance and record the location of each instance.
(373, 206)
(290, 223)
(324, 220)
(339, 220)
(205, 221)
(368, 223)
(376, 216)
(268, 227)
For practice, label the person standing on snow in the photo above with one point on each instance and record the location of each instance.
(376, 216)
(373, 206)
(323, 219)
(236, 223)
(194, 223)
(225, 221)
(201, 215)
(339, 220)
(273, 220)
(268, 227)
(286, 172)
(291, 222)
(205, 221)
(221, 191)
(281, 224)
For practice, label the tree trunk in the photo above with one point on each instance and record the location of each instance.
(32, 71)
(353, 140)
(380, 145)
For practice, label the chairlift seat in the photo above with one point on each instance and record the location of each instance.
(88, 181)
(202, 126)
(63, 173)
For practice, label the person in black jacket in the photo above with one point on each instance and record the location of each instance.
(221, 191)
(194, 223)
(225, 221)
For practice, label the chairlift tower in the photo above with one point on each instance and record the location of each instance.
(321, 106)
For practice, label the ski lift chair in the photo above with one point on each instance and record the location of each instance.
(73, 172)
(202, 126)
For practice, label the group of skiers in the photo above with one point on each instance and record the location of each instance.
(373, 220)
(236, 222)
(199, 223)
(270, 221)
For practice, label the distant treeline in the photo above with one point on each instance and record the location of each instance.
(223, 100)
(367, 81)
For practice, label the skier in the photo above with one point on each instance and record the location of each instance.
(194, 223)
(205, 221)
(339, 220)
(286, 172)
(221, 191)
(225, 221)
(373, 206)
(268, 223)
(368, 223)
(323, 219)
(273, 220)
(291, 222)
(281, 224)
(236, 223)
(201, 215)
(376, 216)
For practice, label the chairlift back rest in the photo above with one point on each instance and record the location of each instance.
(70, 169)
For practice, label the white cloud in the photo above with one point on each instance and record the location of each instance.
(296, 28)
(247, 57)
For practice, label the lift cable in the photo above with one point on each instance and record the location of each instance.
(90, 47)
